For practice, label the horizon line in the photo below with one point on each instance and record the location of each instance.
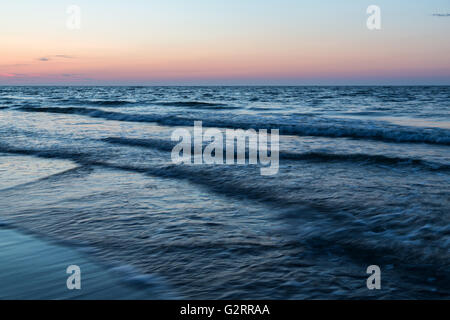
(224, 85)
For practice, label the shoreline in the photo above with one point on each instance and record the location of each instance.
(45, 278)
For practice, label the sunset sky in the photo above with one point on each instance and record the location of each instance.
(197, 42)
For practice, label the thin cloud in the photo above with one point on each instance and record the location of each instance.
(64, 56)
(14, 65)
(57, 56)
(13, 75)
(74, 76)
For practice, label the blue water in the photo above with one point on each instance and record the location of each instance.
(364, 179)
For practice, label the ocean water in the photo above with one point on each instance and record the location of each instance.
(364, 179)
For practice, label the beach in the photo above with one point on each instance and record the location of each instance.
(32, 269)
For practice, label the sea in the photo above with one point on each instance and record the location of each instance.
(363, 180)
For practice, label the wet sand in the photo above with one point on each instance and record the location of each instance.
(35, 269)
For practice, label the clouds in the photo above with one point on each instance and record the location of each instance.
(56, 56)
(71, 75)
(7, 75)
(35, 71)
(14, 65)
(64, 56)
(13, 75)
(42, 78)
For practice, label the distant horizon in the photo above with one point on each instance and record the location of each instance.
(227, 85)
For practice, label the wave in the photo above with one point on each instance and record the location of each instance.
(206, 176)
(183, 104)
(144, 281)
(147, 143)
(99, 102)
(75, 156)
(164, 145)
(110, 102)
(197, 105)
(318, 127)
(69, 173)
(366, 158)
(4, 223)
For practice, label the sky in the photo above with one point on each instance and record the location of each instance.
(224, 42)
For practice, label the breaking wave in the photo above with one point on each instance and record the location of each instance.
(319, 127)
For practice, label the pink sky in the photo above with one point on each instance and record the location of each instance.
(173, 47)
